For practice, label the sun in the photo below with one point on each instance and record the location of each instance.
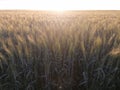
(60, 5)
(52, 5)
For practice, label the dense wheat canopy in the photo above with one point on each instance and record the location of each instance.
(50, 51)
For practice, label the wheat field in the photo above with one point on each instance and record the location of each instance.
(74, 50)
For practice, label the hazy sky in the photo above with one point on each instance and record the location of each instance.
(61, 4)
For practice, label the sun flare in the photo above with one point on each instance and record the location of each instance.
(53, 5)
(60, 5)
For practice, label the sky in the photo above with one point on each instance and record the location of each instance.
(60, 4)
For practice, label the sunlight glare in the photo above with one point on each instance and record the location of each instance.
(60, 5)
